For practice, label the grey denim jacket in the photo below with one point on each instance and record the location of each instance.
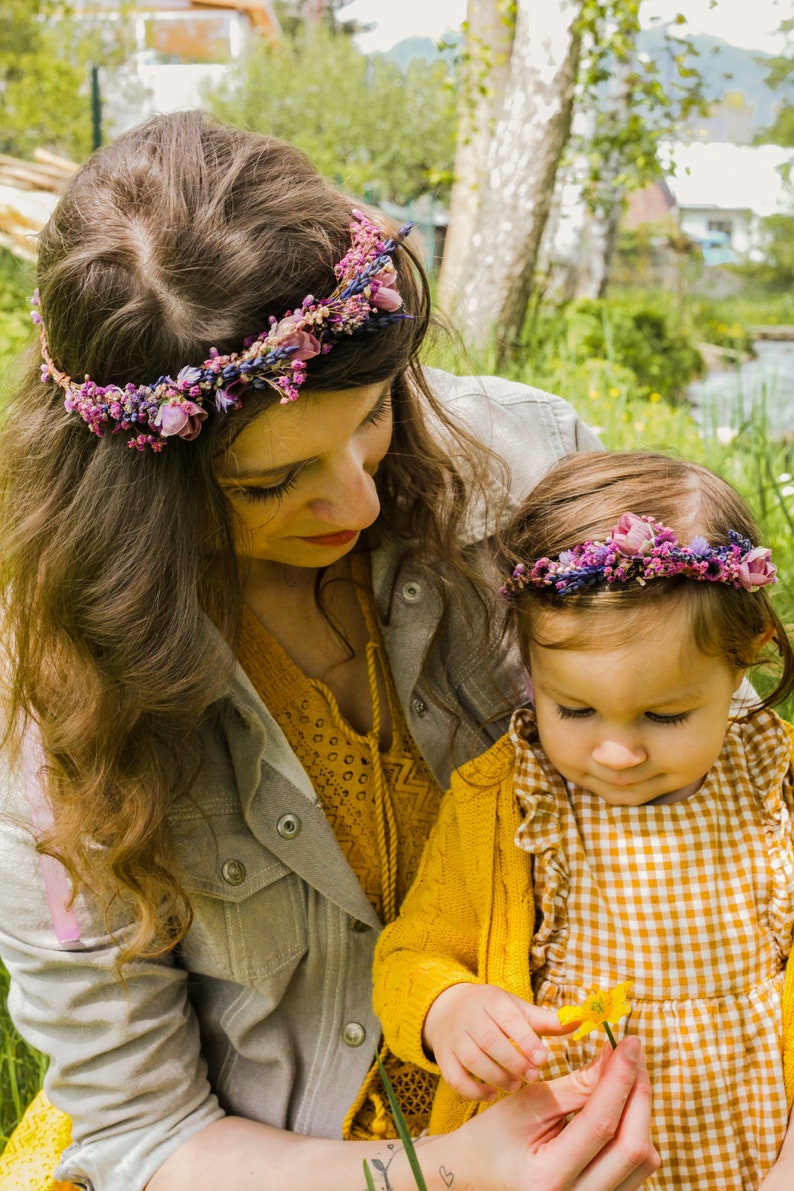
(264, 1011)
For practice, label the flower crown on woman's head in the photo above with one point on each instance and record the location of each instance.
(365, 299)
(640, 549)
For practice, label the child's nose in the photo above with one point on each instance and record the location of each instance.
(618, 754)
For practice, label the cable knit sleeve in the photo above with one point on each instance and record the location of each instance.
(435, 942)
(788, 987)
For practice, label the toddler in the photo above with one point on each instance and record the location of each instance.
(633, 826)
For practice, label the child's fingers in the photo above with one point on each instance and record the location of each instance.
(511, 1018)
(544, 1021)
(462, 1081)
(486, 1053)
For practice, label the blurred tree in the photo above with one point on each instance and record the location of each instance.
(488, 286)
(485, 69)
(780, 77)
(45, 59)
(775, 273)
(629, 109)
(379, 131)
(294, 13)
(527, 70)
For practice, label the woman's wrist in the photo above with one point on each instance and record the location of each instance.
(240, 1153)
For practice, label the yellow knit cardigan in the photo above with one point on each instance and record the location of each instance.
(465, 920)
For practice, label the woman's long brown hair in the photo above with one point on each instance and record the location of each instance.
(183, 235)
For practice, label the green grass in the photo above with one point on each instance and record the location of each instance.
(21, 1070)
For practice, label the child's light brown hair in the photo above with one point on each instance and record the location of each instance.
(584, 496)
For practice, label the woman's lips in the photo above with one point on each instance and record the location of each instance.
(342, 538)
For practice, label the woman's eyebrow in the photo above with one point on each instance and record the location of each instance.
(258, 473)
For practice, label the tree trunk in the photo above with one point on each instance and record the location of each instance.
(596, 249)
(530, 134)
(486, 54)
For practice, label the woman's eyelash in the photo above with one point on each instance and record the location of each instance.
(274, 493)
(381, 411)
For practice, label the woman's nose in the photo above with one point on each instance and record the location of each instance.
(351, 499)
(618, 754)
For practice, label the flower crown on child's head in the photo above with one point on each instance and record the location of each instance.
(640, 549)
(365, 299)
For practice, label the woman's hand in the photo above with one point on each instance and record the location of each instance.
(484, 1038)
(525, 1143)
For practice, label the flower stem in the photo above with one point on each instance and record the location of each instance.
(610, 1035)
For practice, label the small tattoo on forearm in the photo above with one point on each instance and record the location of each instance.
(382, 1168)
(447, 1176)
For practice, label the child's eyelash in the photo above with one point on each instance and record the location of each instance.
(580, 713)
(573, 713)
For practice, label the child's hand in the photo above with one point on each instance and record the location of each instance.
(484, 1038)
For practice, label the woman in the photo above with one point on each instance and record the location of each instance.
(236, 828)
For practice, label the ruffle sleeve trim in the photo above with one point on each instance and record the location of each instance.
(767, 746)
(539, 789)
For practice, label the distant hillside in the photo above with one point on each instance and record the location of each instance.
(734, 82)
(420, 47)
(742, 104)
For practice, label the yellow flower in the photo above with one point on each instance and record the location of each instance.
(655, 397)
(601, 1008)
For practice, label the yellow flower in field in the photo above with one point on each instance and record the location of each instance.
(601, 1008)
(613, 392)
(654, 396)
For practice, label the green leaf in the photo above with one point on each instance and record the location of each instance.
(368, 1177)
(402, 1129)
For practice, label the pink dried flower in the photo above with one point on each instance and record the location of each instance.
(632, 535)
(755, 569)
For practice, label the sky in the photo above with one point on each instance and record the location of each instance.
(748, 23)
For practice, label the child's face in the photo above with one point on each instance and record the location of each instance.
(639, 717)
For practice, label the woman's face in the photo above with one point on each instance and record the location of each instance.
(301, 476)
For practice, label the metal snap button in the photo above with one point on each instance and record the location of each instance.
(358, 926)
(233, 872)
(412, 591)
(420, 707)
(353, 1033)
(289, 826)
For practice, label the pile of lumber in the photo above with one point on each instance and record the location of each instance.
(28, 192)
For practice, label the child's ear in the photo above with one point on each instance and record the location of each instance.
(761, 640)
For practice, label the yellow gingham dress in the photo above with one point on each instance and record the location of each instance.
(694, 903)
